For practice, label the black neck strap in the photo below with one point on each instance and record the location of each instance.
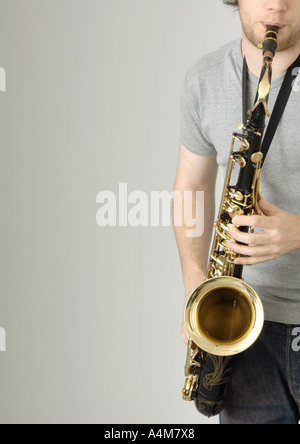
(280, 105)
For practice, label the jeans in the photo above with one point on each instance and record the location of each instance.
(266, 379)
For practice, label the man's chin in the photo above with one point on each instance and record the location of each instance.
(285, 40)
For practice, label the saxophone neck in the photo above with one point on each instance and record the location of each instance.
(260, 109)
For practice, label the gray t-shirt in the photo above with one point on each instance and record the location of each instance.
(211, 110)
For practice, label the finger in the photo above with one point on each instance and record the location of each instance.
(267, 208)
(254, 260)
(246, 250)
(184, 334)
(248, 238)
(251, 221)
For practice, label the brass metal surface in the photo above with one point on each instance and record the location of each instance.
(224, 316)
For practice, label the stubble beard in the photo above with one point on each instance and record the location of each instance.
(252, 33)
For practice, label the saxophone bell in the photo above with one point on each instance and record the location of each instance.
(224, 316)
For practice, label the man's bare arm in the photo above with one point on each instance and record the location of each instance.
(195, 173)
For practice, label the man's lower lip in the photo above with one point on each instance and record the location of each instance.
(265, 25)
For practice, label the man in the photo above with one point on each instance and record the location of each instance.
(266, 383)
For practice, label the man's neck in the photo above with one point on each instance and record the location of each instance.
(281, 63)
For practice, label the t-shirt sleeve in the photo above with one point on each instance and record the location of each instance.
(191, 131)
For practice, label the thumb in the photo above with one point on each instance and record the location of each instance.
(184, 334)
(267, 208)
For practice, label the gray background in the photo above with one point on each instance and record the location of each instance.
(93, 315)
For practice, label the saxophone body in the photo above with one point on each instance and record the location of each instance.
(224, 316)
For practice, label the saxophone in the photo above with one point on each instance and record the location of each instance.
(224, 316)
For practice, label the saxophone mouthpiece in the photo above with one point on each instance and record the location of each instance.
(269, 45)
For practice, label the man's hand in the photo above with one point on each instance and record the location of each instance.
(190, 287)
(281, 235)
(184, 333)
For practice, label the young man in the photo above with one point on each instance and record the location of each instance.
(266, 383)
